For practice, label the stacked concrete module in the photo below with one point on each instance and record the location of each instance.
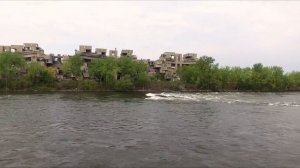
(169, 62)
(101, 51)
(6, 49)
(33, 53)
(128, 54)
(189, 58)
(85, 51)
(17, 48)
(113, 53)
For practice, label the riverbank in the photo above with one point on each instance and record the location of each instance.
(51, 90)
(128, 75)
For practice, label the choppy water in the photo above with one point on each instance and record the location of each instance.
(71, 130)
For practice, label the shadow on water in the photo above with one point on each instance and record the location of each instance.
(103, 96)
(83, 95)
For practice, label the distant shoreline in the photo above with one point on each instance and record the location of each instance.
(3, 92)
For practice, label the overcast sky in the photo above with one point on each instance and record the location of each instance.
(235, 33)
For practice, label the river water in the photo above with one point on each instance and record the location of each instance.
(70, 130)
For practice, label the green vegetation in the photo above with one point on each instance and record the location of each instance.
(124, 74)
(38, 74)
(206, 75)
(119, 74)
(11, 67)
(72, 66)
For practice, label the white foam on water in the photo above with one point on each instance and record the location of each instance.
(169, 96)
(232, 98)
(150, 94)
(288, 104)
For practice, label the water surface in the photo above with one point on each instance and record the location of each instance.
(71, 130)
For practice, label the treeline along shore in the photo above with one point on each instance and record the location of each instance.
(125, 74)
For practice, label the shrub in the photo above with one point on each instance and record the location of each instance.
(88, 85)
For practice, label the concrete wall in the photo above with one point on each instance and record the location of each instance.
(17, 48)
(169, 62)
(6, 48)
(85, 49)
(113, 53)
(189, 58)
(31, 46)
(101, 51)
(126, 53)
(1, 49)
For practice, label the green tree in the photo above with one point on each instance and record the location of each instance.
(38, 74)
(203, 73)
(293, 80)
(136, 71)
(104, 71)
(72, 66)
(278, 79)
(119, 73)
(11, 66)
(258, 77)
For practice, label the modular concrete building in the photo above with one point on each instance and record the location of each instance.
(101, 51)
(88, 55)
(33, 53)
(169, 62)
(189, 58)
(5, 49)
(113, 53)
(85, 51)
(17, 48)
(128, 54)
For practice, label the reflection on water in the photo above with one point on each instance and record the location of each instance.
(150, 130)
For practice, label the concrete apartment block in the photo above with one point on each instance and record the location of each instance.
(17, 48)
(189, 58)
(101, 51)
(167, 64)
(113, 53)
(6, 49)
(85, 49)
(31, 46)
(128, 54)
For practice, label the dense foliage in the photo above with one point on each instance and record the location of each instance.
(206, 75)
(125, 74)
(72, 66)
(11, 67)
(38, 74)
(121, 74)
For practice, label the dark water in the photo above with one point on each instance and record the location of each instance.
(71, 130)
